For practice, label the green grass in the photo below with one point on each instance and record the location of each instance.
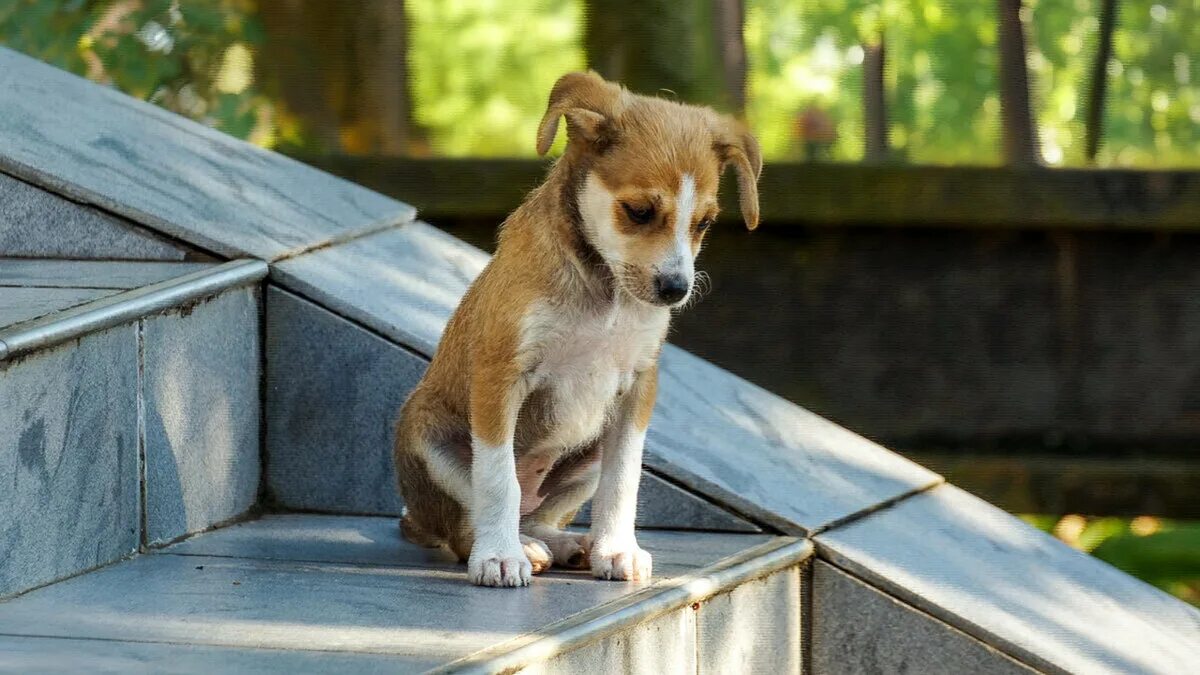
(1165, 553)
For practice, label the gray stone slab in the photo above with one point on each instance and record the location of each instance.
(742, 445)
(65, 655)
(68, 459)
(666, 506)
(429, 613)
(666, 644)
(377, 541)
(859, 629)
(331, 413)
(23, 304)
(38, 224)
(755, 628)
(1016, 588)
(98, 146)
(333, 391)
(120, 275)
(202, 410)
(404, 283)
(712, 431)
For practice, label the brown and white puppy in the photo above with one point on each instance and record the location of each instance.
(541, 391)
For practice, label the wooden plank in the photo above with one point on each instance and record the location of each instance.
(835, 194)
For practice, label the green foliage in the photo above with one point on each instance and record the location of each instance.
(1169, 558)
(942, 77)
(481, 71)
(1153, 116)
(194, 57)
(941, 72)
(1164, 553)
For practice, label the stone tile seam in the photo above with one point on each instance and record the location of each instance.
(138, 226)
(980, 636)
(263, 492)
(67, 577)
(143, 508)
(213, 645)
(807, 573)
(246, 516)
(615, 616)
(79, 287)
(408, 216)
(876, 508)
(128, 306)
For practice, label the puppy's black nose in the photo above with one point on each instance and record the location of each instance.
(670, 288)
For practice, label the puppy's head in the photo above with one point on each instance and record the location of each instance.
(646, 172)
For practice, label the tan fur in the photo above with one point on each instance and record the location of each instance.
(550, 291)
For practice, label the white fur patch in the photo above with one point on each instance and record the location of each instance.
(596, 208)
(615, 552)
(685, 208)
(497, 557)
(681, 260)
(586, 359)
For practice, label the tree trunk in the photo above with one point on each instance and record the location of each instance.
(294, 67)
(658, 46)
(1021, 147)
(729, 18)
(342, 69)
(1096, 97)
(875, 120)
(383, 109)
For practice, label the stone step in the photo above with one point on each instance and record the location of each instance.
(305, 593)
(129, 408)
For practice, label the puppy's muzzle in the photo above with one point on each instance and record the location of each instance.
(670, 288)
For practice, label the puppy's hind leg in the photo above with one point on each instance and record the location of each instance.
(571, 483)
(433, 515)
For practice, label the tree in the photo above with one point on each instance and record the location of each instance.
(1095, 108)
(730, 18)
(875, 119)
(1019, 131)
(654, 46)
(342, 70)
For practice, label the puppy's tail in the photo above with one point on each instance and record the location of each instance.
(414, 533)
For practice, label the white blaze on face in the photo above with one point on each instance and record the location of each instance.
(680, 259)
(596, 209)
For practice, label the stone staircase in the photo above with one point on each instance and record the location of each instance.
(202, 349)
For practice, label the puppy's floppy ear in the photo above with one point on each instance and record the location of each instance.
(735, 145)
(587, 101)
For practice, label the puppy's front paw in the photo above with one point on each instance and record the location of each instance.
(628, 563)
(506, 567)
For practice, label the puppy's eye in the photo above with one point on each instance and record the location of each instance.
(704, 224)
(639, 214)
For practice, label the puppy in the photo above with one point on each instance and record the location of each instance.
(541, 391)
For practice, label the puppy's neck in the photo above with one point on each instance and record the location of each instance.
(555, 208)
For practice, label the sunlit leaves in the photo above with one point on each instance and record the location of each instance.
(194, 57)
(481, 71)
(942, 79)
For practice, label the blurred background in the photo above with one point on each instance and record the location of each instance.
(979, 244)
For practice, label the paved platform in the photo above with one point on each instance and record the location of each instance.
(311, 593)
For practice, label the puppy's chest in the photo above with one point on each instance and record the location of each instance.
(586, 363)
